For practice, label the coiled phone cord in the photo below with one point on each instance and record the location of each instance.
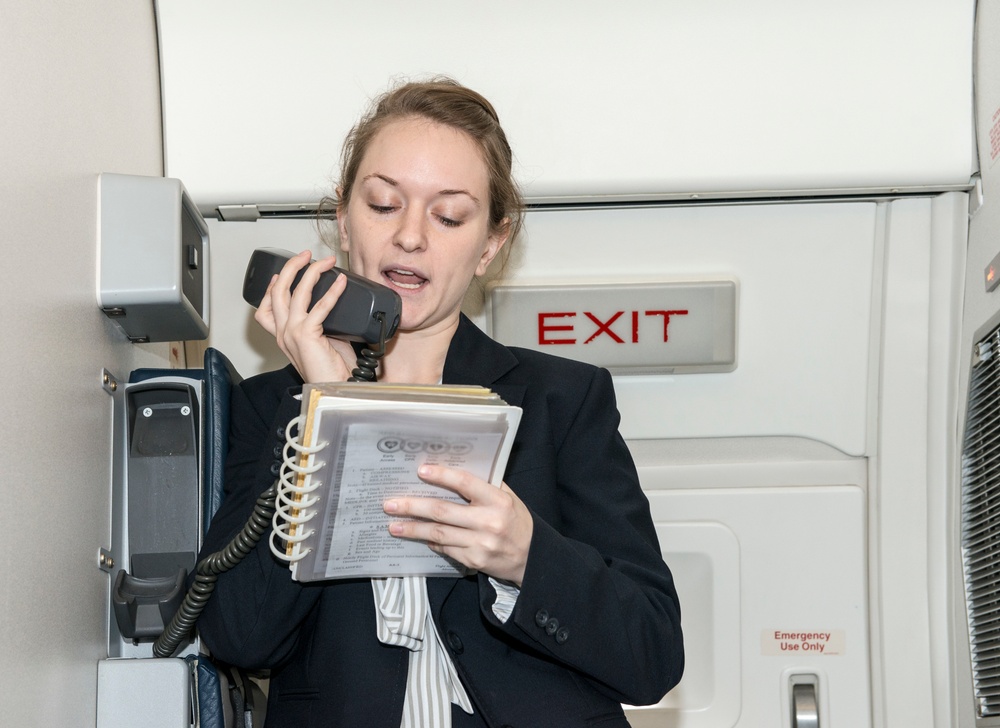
(369, 357)
(209, 568)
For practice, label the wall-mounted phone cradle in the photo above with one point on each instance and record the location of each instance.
(153, 262)
(156, 503)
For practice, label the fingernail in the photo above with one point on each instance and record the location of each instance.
(424, 470)
(390, 506)
(395, 528)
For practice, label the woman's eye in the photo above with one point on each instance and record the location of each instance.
(381, 209)
(449, 222)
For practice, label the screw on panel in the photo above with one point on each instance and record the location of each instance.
(108, 381)
(104, 560)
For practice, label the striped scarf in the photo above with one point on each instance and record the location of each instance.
(403, 616)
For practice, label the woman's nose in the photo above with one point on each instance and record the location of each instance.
(412, 231)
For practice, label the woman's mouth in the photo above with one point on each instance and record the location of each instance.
(406, 279)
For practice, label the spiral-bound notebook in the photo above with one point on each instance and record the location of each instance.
(359, 444)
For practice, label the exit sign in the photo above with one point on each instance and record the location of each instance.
(639, 328)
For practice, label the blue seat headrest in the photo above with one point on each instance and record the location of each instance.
(220, 377)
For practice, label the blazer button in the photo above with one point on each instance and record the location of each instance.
(541, 617)
(275, 469)
(455, 643)
(552, 626)
(562, 635)
(280, 432)
(278, 450)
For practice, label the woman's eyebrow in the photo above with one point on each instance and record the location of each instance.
(395, 183)
(460, 192)
(385, 178)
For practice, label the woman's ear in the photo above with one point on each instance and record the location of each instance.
(494, 244)
(342, 221)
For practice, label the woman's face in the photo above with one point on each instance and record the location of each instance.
(417, 220)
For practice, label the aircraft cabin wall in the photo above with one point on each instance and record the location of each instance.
(80, 84)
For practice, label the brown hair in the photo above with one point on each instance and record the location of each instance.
(445, 101)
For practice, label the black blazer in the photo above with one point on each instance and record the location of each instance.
(597, 621)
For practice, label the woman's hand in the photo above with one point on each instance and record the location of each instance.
(297, 330)
(491, 534)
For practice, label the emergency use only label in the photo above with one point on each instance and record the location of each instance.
(802, 642)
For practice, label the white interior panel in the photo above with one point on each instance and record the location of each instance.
(802, 569)
(636, 100)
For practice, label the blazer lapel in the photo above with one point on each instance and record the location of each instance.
(475, 358)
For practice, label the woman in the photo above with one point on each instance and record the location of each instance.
(572, 611)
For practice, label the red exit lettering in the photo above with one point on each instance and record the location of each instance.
(552, 325)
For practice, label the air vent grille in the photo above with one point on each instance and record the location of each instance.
(981, 523)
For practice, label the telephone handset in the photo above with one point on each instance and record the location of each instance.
(358, 315)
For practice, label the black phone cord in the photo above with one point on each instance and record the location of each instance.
(368, 359)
